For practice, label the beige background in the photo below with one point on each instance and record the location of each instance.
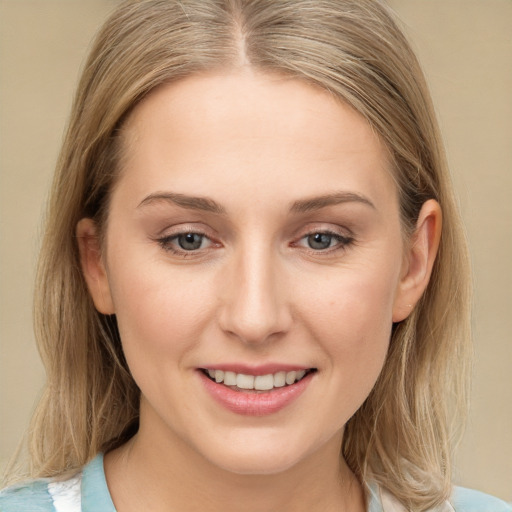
(466, 48)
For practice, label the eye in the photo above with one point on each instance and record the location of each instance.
(190, 241)
(320, 241)
(324, 240)
(185, 242)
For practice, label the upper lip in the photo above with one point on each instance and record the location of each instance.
(263, 369)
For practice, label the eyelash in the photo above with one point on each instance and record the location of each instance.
(342, 242)
(166, 243)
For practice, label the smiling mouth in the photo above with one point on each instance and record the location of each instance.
(256, 383)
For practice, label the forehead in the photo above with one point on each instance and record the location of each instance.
(260, 132)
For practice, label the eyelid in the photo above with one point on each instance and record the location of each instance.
(180, 228)
(324, 227)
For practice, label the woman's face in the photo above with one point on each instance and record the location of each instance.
(254, 232)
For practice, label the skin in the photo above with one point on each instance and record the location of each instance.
(260, 146)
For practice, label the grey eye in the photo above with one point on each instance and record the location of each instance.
(190, 241)
(319, 241)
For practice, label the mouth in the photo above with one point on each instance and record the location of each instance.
(256, 383)
(270, 391)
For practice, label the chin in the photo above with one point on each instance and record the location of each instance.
(257, 465)
(247, 456)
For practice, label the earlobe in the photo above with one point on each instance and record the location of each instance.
(419, 260)
(93, 267)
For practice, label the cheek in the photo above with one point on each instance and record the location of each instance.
(160, 311)
(350, 316)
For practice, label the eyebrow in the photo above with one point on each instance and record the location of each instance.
(300, 206)
(316, 203)
(184, 201)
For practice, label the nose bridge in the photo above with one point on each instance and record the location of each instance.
(254, 306)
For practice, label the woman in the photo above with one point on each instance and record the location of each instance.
(247, 297)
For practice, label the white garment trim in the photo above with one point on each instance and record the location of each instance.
(66, 495)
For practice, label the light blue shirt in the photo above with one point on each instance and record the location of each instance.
(88, 492)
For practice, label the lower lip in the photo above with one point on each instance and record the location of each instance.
(255, 404)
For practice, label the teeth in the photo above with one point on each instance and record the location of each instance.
(230, 378)
(244, 381)
(260, 382)
(279, 379)
(290, 377)
(264, 382)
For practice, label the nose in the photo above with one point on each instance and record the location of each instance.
(254, 306)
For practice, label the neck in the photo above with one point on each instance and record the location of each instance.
(167, 476)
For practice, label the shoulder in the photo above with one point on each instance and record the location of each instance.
(461, 500)
(85, 491)
(468, 500)
(44, 495)
(29, 497)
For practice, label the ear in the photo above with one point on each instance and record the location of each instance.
(418, 260)
(93, 266)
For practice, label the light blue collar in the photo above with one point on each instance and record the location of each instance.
(373, 498)
(95, 494)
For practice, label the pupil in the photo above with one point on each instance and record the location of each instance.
(319, 241)
(190, 241)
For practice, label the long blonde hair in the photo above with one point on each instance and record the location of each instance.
(402, 435)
